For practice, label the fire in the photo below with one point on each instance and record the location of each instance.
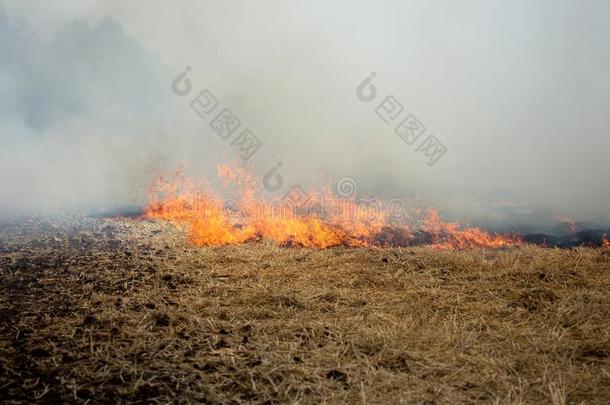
(450, 236)
(605, 243)
(567, 222)
(322, 221)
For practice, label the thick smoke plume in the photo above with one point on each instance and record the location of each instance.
(518, 93)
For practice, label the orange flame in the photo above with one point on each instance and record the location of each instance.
(322, 221)
(605, 243)
(450, 236)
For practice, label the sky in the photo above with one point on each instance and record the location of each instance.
(518, 94)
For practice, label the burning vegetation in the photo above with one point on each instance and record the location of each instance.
(317, 219)
(107, 310)
(341, 300)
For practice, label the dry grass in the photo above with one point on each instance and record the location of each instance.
(124, 310)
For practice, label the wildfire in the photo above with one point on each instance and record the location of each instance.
(605, 243)
(568, 223)
(319, 220)
(449, 235)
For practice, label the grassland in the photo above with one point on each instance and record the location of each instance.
(125, 310)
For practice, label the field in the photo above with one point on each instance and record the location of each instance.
(106, 310)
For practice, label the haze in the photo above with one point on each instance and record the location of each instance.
(517, 91)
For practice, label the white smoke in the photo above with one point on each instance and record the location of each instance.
(518, 93)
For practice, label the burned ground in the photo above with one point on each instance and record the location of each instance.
(125, 309)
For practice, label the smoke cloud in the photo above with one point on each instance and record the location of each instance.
(518, 93)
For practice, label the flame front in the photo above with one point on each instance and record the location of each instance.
(324, 221)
